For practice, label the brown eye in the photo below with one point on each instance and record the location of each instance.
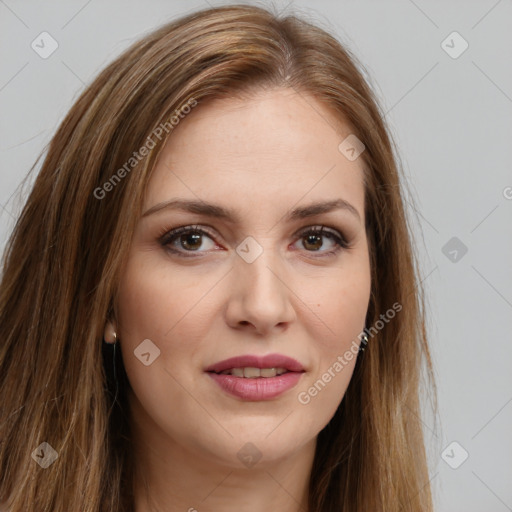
(312, 240)
(184, 239)
(191, 240)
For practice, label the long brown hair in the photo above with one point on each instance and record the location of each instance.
(64, 259)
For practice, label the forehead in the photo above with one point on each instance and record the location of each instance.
(277, 148)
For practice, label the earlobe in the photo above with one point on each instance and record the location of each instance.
(110, 335)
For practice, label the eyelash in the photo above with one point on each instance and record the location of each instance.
(167, 236)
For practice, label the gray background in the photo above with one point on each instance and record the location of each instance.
(451, 118)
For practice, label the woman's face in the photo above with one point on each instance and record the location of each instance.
(254, 283)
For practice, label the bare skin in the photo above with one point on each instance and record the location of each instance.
(262, 158)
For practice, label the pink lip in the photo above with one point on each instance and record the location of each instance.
(259, 388)
(268, 361)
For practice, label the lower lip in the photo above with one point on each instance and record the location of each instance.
(261, 388)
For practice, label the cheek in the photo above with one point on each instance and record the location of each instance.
(153, 301)
(335, 356)
(174, 309)
(171, 308)
(339, 304)
(162, 306)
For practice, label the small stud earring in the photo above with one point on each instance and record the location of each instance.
(110, 335)
(363, 343)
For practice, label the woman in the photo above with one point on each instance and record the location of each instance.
(210, 300)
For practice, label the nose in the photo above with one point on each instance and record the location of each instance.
(260, 295)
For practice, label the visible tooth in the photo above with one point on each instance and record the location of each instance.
(237, 372)
(251, 372)
(268, 372)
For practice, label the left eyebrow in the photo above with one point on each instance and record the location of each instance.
(221, 212)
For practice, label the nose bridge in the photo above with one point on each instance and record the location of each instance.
(259, 278)
(258, 265)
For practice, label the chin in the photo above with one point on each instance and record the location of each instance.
(258, 446)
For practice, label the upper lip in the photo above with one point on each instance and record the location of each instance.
(254, 361)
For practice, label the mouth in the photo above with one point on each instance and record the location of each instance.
(252, 366)
(250, 372)
(256, 378)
